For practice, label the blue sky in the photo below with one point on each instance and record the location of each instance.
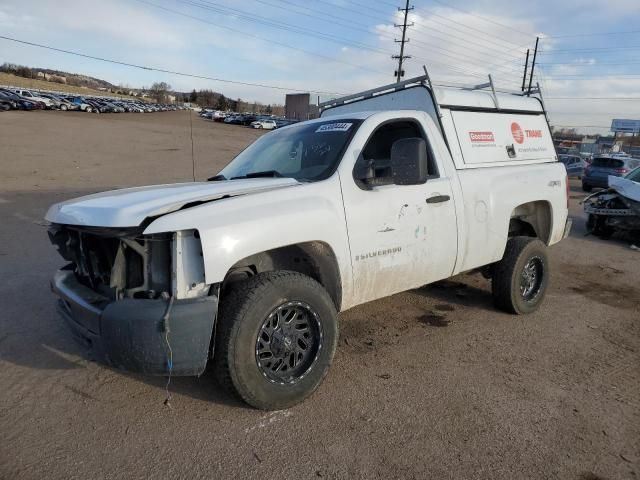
(343, 46)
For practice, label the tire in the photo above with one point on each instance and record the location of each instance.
(250, 367)
(63, 108)
(88, 109)
(510, 280)
(586, 188)
(596, 226)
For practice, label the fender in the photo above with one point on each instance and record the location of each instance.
(234, 228)
(492, 194)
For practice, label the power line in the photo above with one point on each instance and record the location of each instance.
(527, 34)
(581, 126)
(594, 64)
(212, 6)
(597, 34)
(593, 98)
(162, 70)
(274, 42)
(591, 49)
(501, 46)
(458, 56)
(339, 41)
(448, 34)
(577, 76)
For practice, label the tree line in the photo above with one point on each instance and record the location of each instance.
(211, 99)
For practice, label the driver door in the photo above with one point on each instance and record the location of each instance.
(401, 236)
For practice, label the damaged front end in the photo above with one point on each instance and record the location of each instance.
(139, 302)
(610, 211)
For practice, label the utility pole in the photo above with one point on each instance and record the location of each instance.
(526, 67)
(400, 73)
(533, 65)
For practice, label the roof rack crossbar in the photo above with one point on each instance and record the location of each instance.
(370, 93)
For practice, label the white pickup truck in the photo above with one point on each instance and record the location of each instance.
(389, 190)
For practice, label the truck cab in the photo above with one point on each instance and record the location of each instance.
(250, 269)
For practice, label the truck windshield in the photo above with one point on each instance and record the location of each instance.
(307, 151)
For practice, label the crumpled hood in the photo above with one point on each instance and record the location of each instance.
(129, 207)
(625, 187)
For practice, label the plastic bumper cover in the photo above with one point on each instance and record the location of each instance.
(129, 334)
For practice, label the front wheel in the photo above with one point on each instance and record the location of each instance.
(276, 337)
(88, 109)
(519, 281)
(63, 108)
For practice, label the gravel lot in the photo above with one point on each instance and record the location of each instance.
(431, 383)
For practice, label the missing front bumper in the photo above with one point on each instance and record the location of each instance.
(129, 334)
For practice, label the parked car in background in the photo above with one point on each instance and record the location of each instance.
(266, 124)
(597, 174)
(80, 104)
(29, 95)
(21, 102)
(283, 122)
(574, 164)
(59, 102)
(233, 119)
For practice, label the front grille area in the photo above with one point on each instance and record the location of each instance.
(117, 263)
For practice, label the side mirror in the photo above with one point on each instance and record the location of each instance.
(364, 172)
(409, 161)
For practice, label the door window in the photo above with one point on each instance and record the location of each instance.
(376, 154)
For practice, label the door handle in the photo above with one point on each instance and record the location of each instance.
(438, 199)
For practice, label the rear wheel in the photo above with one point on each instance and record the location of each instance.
(276, 337)
(520, 279)
(63, 108)
(88, 109)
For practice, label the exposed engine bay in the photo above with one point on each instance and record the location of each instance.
(120, 263)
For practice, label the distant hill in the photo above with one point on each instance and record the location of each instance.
(57, 76)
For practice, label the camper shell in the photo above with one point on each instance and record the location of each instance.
(481, 128)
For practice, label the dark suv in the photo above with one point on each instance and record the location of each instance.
(597, 174)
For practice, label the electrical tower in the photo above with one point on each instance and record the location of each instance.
(399, 73)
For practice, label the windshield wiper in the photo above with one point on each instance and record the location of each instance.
(216, 178)
(266, 173)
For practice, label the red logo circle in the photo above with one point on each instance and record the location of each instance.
(516, 131)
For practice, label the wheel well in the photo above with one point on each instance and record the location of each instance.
(314, 259)
(531, 219)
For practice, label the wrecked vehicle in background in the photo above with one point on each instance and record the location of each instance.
(615, 209)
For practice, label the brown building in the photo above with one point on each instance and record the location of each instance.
(298, 106)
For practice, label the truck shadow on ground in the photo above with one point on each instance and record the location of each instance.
(459, 293)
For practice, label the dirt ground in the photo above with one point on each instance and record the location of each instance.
(431, 383)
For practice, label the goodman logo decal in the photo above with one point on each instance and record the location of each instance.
(482, 137)
(519, 135)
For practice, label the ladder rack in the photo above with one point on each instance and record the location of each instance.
(423, 80)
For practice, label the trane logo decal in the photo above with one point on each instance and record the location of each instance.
(533, 133)
(482, 137)
(519, 134)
